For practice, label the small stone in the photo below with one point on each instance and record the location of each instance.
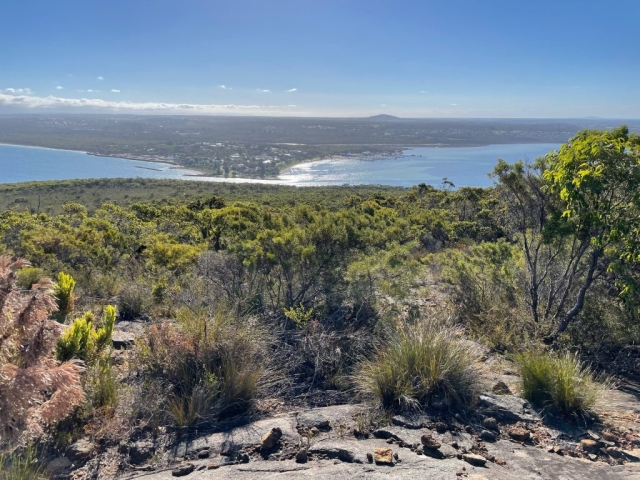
(213, 466)
(474, 459)
(314, 431)
(204, 453)
(558, 451)
(593, 435)
(382, 433)
(383, 456)
(501, 388)
(613, 452)
(396, 456)
(369, 457)
(270, 439)
(468, 429)
(243, 457)
(183, 470)
(499, 461)
(593, 457)
(589, 445)
(441, 427)
(609, 436)
(430, 442)
(390, 440)
(491, 423)
(488, 436)
(80, 451)
(455, 445)
(302, 456)
(58, 464)
(519, 434)
(140, 452)
(433, 453)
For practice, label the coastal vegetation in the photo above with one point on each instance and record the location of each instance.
(247, 293)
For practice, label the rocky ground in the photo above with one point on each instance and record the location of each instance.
(503, 437)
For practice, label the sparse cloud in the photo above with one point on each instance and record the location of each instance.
(18, 91)
(423, 91)
(100, 77)
(59, 88)
(264, 91)
(291, 90)
(93, 91)
(292, 106)
(383, 104)
(113, 90)
(224, 87)
(454, 104)
(32, 102)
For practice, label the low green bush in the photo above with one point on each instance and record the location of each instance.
(558, 382)
(28, 276)
(422, 363)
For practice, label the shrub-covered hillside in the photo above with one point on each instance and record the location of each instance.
(363, 293)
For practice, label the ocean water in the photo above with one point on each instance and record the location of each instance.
(25, 164)
(464, 166)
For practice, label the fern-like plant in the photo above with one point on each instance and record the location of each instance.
(35, 389)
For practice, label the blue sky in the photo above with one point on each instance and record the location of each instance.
(428, 58)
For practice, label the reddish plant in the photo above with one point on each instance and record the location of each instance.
(35, 389)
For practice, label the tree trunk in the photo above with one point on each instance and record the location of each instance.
(571, 314)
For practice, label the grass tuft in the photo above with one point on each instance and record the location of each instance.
(422, 363)
(211, 366)
(558, 382)
(21, 464)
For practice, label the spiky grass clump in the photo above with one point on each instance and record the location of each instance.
(558, 382)
(419, 364)
(21, 464)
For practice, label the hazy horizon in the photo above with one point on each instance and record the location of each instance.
(334, 59)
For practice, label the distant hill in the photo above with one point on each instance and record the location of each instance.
(384, 118)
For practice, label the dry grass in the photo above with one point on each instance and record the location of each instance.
(209, 366)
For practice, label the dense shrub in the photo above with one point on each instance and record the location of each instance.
(558, 382)
(422, 363)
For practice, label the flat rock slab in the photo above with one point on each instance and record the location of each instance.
(324, 418)
(524, 463)
(507, 408)
(238, 438)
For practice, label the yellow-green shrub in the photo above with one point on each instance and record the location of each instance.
(82, 340)
(65, 298)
